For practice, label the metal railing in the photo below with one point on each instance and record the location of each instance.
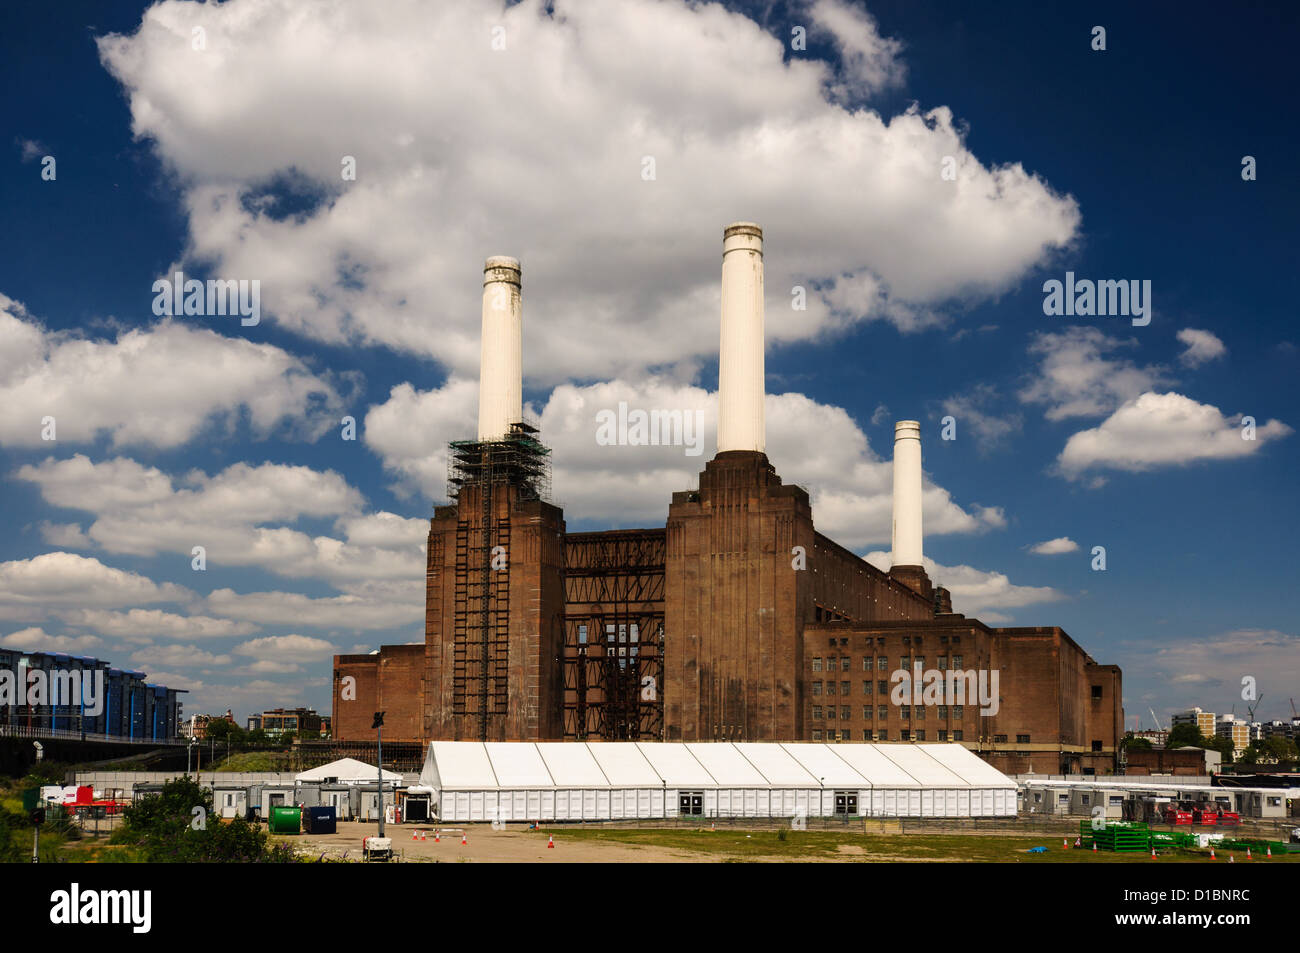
(67, 734)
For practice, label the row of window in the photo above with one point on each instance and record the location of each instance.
(843, 663)
(880, 734)
(820, 712)
(907, 639)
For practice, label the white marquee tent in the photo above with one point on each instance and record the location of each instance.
(525, 781)
(346, 771)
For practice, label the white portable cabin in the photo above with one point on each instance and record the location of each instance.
(577, 781)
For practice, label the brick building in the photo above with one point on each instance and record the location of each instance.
(723, 625)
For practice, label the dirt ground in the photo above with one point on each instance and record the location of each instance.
(515, 844)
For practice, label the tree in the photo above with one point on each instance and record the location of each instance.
(1283, 749)
(225, 732)
(1183, 735)
(1136, 744)
(1221, 745)
(179, 826)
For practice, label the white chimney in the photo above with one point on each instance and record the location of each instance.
(907, 493)
(501, 360)
(740, 362)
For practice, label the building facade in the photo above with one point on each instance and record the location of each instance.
(735, 621)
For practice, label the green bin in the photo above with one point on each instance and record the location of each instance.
(286, 820)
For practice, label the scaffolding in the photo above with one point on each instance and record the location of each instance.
(613, 635)
(486, 478)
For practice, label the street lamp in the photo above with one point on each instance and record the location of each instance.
(379, 742)
(38, 815)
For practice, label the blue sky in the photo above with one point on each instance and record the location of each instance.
(925, 300)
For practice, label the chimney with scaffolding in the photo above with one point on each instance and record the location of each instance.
(495, 604)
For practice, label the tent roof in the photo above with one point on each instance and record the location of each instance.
(824, 763)
(927, 771)
(472, 765)
(571, 765)
(345, 770)
(624, 765)
(726, 765)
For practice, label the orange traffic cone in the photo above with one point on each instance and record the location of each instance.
(1065, 844)
(464, 839)
(1153, 853)
(1232, 859)
(1211, 853)
(1094, 847)
(1248, 853)
(1268, 851)
(1078, 842)
(550, 842)
(436, 838)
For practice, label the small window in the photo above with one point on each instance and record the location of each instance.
(817, 665)
(943, 712)
(817, 711)
(817, 734)
(907, 640)
(846, 688)
(882, 686)
(582, 635)
(1083, 799)
(816, 688)
(943, 663)
(956, 661)
(866, 663)
(1022, 739)
(882, 664)
(844, 663)
(920, 734)
(999, 739)
(905, 711)
(1096, 693)
(956, 711)
(846, 712)
(905, 735)
(866, 734)
(1096, 745)
(866, 687)
(830, 712)
(920, 712)
(943, 735)
(884, 735)
(956, 736)
(830, 688)
(866, 712)
(882, 711)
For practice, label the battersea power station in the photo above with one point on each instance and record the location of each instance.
(735, 621)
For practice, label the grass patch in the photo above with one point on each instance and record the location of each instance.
(790, 845)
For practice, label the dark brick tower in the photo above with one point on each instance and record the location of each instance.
(494, 612)
(736, 603)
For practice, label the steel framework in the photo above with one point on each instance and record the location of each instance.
(613, 635)
(485, 478)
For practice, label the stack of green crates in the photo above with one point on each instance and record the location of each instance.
(1116, 836)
